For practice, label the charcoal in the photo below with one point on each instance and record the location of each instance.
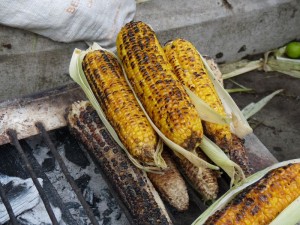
(88, 195)
(22, 195)
(72, 205)
(38, 215)
(106, 221)
(74, 154)
(48, 164)
(83, 181)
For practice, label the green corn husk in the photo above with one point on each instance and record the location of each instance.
(287, 217)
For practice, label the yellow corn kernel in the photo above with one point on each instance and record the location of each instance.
(105, 76)
(160, 92)
(190, 70)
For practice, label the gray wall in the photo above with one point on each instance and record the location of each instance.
(228, 29)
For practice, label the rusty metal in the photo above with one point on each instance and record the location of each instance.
(8, 207)
(65, 171)
(14, 140)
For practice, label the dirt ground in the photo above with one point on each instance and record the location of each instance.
(277, 125)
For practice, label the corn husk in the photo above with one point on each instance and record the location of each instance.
(274, 60)
(238, 90)
(239, 125)
(253, 108)
(205, 111)
(241, 88)
(230, 194)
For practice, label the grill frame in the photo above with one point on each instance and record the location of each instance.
(53, 104)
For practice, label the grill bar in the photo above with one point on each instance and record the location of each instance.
(66, 173)
(14, 140)
(8, 206)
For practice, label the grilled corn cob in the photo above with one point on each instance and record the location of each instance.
(171, 185)
(190, 70)
(105, 76)
(131, 183)
(160, 92)
(203, 180)
(261, 202)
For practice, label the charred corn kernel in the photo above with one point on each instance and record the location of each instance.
(190, 70)
(261, 202)
(132, 185)
(160, 92)
(105, 76)
(203, 180)
(171, 185)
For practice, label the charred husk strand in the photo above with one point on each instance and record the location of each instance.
(131, 183)
(203, 180)
(190, 70)
(261, 202)
(160, 92)
(171, 185)
(106, 79)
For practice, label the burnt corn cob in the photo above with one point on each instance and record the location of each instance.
(203, 180)
(106, 79)
(157, 87)
(261, 202)
(171, 185)
(131, 183)
(189, 68)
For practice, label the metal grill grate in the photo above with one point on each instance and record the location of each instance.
(14, 140)
(49, 108)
